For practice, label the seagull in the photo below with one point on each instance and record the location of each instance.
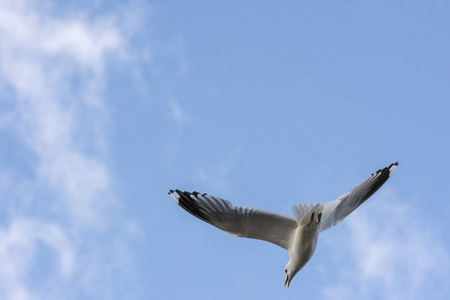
(299, 235)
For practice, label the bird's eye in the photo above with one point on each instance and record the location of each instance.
(285, 271)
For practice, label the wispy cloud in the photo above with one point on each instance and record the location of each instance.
(53, 69)
(215, 178)
(178, 114)
(393, 254)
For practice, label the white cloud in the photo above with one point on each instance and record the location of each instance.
(52, 73)
(18, 250)
(40, 55)
(178, 114)
(392, 254)
(32, 29)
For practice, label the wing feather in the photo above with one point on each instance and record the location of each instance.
(239, 221)
(351, 201)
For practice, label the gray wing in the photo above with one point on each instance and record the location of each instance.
(238, 220)
(347, 203)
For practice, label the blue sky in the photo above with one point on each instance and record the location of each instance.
(105, 107)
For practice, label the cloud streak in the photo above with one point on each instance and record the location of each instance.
(178, 114)
(394, 255)
(52, 75)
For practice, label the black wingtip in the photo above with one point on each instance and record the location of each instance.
(192, 206)
(385, 169)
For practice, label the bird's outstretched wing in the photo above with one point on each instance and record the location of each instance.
(238, 220)
(347, 203)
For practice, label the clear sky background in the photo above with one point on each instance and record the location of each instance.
(105, 107)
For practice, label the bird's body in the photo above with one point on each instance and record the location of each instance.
(303, 245)
(299, 235)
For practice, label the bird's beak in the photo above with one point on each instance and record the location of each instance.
(288, 281)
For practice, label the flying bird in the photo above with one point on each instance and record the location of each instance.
(299, 235)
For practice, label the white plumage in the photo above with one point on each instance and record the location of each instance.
(297, 235)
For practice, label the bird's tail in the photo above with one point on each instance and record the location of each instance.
(303, 212)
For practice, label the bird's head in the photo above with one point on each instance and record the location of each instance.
(290, 272)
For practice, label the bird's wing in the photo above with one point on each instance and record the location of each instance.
(238, 220)
(347, 203)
